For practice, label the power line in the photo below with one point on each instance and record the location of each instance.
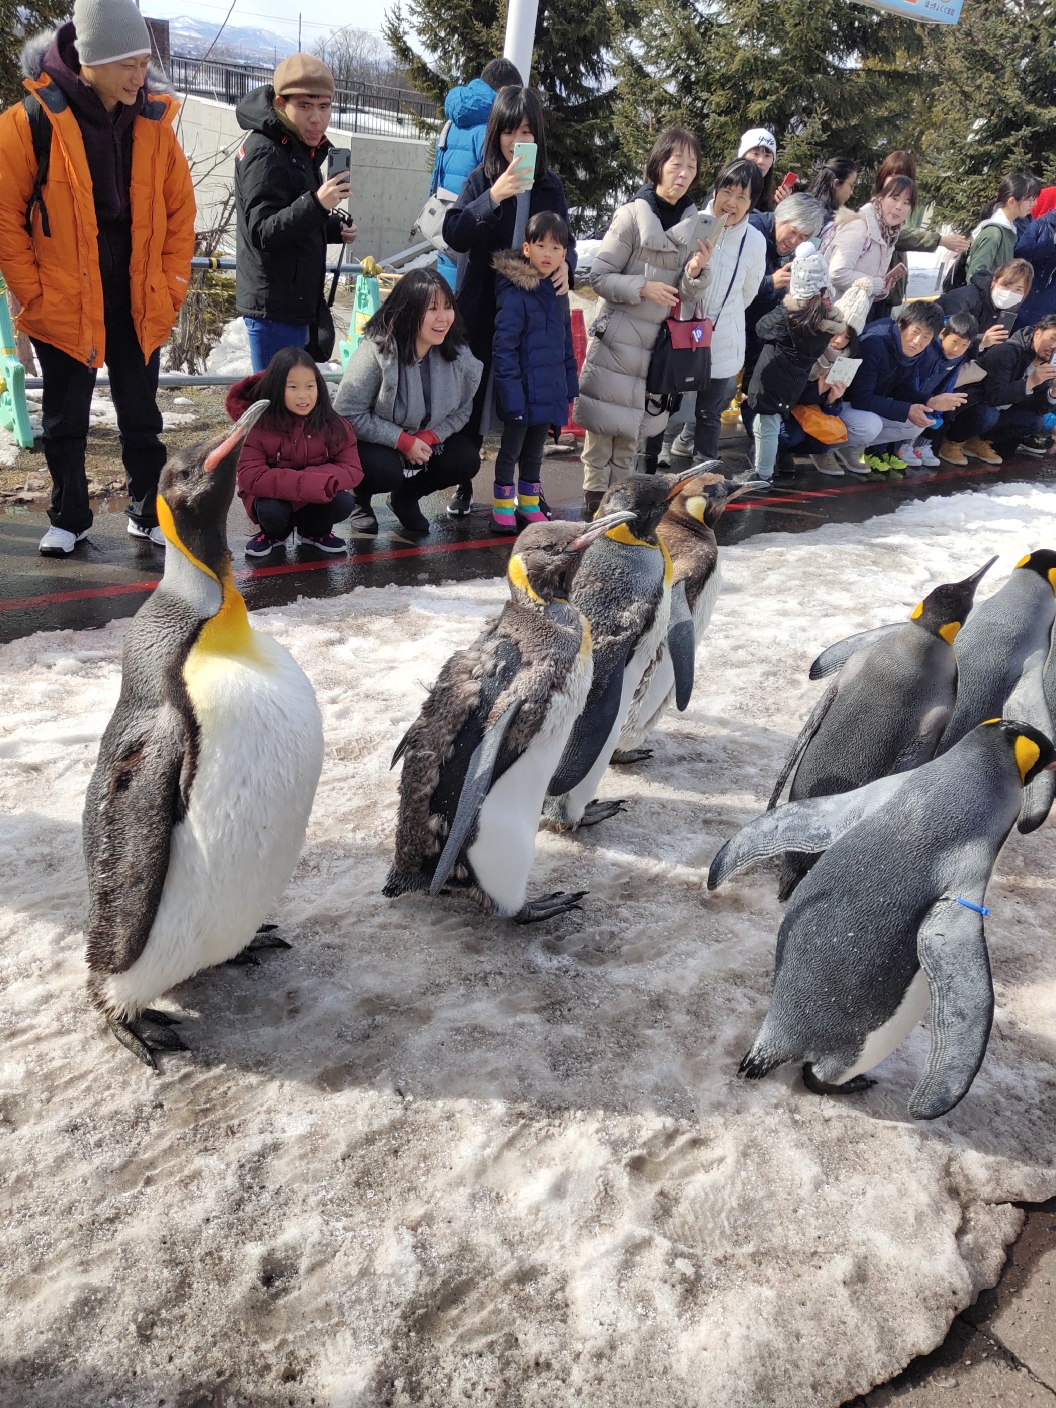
(275, 19)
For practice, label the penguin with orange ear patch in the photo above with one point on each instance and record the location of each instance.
(197, 809)
(886, 710)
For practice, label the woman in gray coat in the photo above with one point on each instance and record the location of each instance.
(642, 271)
(408, 391)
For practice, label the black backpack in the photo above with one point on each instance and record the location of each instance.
(40, 131)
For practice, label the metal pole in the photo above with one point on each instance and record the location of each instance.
(520, 35)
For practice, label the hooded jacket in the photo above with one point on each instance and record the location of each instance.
(535, 364)
(1037, 244)
(933, 372)
(788, 354)
(283, 231)
(993, 244)
(884, 383)
(289, 462)
(467, 109)
(973, 297)
(58, 278)
(768, 297)
(1007, 366)
(854, 249)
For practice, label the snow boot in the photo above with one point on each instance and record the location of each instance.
(503, 508)
(531, 506)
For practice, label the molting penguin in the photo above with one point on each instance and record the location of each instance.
(477, 759)
(196, 812)
(687, 530)
(624, 588)
(887, 709)
(892, 913)
(1001, 655)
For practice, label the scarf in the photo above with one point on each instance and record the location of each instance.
(888, 233)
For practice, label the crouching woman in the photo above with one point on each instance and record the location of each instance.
(299, 464)
(408, 391)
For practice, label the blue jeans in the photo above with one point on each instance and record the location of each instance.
(267, 337)
(766, 430)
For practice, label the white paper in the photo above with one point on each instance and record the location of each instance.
(843, 369)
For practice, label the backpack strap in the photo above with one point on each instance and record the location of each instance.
(40, 132)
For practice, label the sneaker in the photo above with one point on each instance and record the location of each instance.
(877, 463)
(261, 545)
(927, 456)
(952, 452)
(827, 464)
(59, 542)
(155, 535)
(326, 542)
(750, 477)
(1036, 445)
(461, 503)
(908, 454)
(896, 461)
(411, 517)
(362, 520)
(852, 459)
(980, 450)
(663, 459)
(785, 463)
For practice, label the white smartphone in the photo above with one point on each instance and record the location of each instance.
(525, 155)
(708, 227)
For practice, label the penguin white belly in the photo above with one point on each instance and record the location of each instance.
(880, 1043)
(231, 857)
(503, 854)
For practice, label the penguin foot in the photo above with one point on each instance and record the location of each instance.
(136, 1042)
(597, 811)
(825, 1087)
(630, 755)
(262, 939)
(547, 906)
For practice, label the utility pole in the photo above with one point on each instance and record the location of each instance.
(520, 35)
(298, 31)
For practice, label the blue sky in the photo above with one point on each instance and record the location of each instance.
(318, 17)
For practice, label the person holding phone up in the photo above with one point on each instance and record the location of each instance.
(861, 243)
(287, 211)
(491, 214)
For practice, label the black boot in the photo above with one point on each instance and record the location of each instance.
(591, 499)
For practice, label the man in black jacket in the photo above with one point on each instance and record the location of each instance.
(1019, 378)
(286, 211)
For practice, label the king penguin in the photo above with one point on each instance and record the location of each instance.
(623, 587)
(891, 917)
(687, 530)
(196, 812)
(1001, 655)
(887, 708)
(477, 759)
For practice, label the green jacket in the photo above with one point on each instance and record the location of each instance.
(994, 245)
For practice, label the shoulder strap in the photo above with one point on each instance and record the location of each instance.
(40, 132)
(729, 286)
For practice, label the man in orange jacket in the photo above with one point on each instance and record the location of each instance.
(98, 251)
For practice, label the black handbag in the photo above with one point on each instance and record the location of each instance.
(322, 334)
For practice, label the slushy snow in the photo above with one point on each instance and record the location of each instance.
(429, 1157)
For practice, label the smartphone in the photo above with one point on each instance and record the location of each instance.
(708, 227)
(790, 180)
(1006, 318)
(893, 275)
(338, 162)
(525, 155)
(1052, 360)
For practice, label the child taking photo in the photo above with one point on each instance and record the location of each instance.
(535, 368)
(300, 463)
(794, 334)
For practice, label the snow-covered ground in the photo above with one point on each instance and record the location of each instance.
(428, 1157)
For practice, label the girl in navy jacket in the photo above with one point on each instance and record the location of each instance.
(535, 367)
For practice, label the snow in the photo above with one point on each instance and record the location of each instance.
(430, 1157)
(231, 356)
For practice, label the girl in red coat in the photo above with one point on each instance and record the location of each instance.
(300, 463)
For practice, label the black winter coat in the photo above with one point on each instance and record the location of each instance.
(1007, 366)
(784, 364)
(283, 231)
(768, 297)
(973, 297)
(476, 229)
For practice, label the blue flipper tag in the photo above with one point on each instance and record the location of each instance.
(979, 909)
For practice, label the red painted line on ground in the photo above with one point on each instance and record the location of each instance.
(798, 496)
(252, 573)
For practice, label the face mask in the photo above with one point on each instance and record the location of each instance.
(1005, 298)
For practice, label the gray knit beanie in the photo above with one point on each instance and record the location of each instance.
(109, 30)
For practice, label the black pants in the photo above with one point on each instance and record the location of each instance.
(712, 400)
(522, 445)
(278, 518)
(456, 461)
(68, 386)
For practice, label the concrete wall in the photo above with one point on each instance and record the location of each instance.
(390, 175)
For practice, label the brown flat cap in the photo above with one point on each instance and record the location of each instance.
(303, 75)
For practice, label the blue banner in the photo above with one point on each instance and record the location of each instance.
(923, 11)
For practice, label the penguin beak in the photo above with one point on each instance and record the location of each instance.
(238, 433)
(598, 528)
(977, 577)
(679, 481)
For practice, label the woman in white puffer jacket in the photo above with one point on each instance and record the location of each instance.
(861, 243)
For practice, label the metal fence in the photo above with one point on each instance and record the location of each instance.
(358, 107)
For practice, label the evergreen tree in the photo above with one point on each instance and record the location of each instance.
(569, 71)
(19, 19)
(991, 102)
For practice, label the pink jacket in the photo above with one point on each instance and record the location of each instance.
(290, 463)
(853, 249)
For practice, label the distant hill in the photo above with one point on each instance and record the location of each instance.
(238, 43)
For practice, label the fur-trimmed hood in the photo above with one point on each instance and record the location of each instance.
(512, 265)
(37, 45)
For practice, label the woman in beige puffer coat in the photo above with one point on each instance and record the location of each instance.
(642, 271)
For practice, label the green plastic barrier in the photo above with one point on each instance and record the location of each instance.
(14, 414)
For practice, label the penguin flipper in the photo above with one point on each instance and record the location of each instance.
(951, 947)
(806, 733)
(589, 733)
(810, 826)
(681, 646)
(833, 659)
(474, 790)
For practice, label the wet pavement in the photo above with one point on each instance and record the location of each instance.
(111, 574)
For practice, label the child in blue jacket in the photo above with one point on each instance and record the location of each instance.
(534, 367)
